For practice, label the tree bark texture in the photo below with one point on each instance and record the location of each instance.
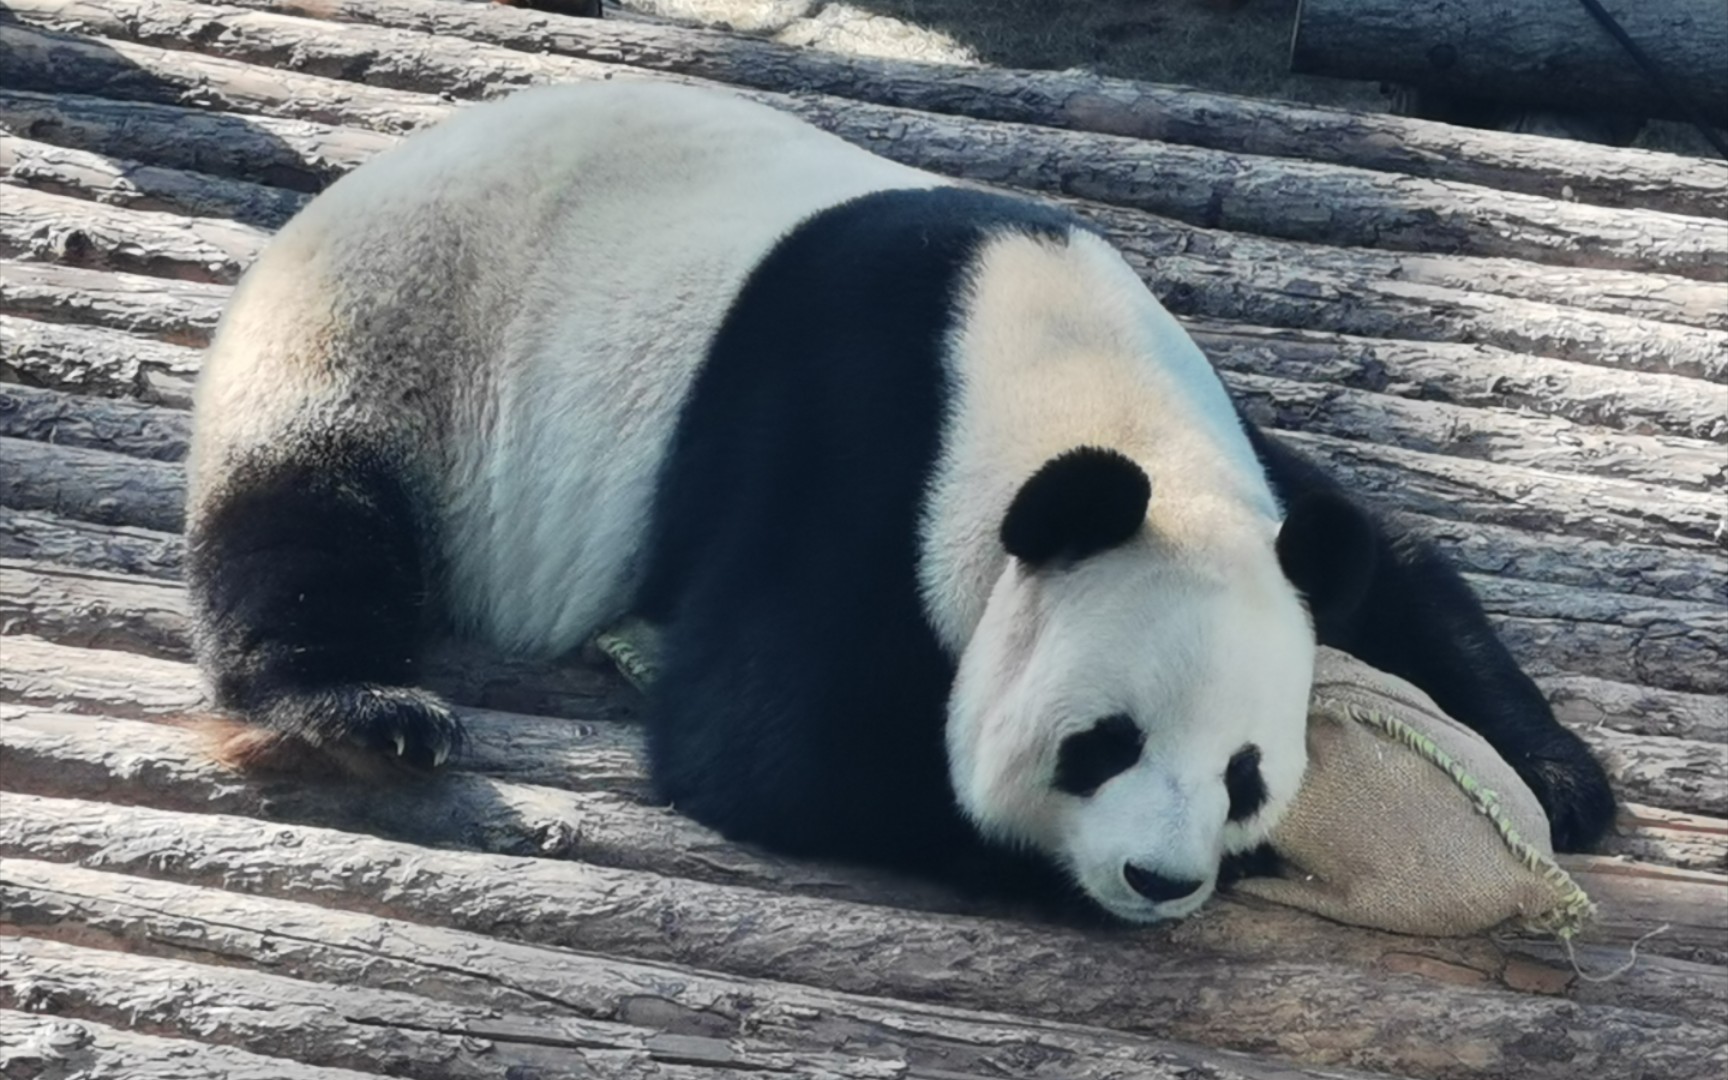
(1604, 317)
(32, 1045)
(121, 549)
(1672, 644)
(395, 1033)
(1524, 51)
(114, 181)
(1459, 324)
(1405, 1020)
(1272, 196)
(601, 751)
(1082, 102)
(492, 976)
(175, 312)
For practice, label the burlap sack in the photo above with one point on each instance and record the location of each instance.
(1407, 820)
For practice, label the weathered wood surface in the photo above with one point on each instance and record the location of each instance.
(1524, 51)
(42, 1046)
(177, 312)
(600, 753)
(1535, 384)
(1602, 317)
(121, 427)
(497, 975)
(1554, 629)
(396, 1033)
(1061, 974)
(59, 170)
(1271, 196)
(1665, 565)
(47, 538)
(42, 227)
(1080, 102)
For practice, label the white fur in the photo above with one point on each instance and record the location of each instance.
(1191, 628)
(603, 260)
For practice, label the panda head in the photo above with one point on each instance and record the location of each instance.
(1133, 706)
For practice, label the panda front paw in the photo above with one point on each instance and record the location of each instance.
(399, 724)
(1573, 789)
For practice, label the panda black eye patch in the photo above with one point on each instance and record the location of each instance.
(1243, 781)
(1089, 758)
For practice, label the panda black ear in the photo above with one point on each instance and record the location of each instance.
(1081, 502)
(1328, 549)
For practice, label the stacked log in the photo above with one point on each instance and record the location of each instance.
(1549, 55)
(1517, 346)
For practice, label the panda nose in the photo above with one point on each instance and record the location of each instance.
(1156, 887)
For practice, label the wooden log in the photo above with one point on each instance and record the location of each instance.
(603, 751)
(1552, 629)
(119, 549)
(598, 813)
(1668, 644)
(81, 174)
(332, 946)
(1685, 775)
(1475, 375)
(93, 486)
(1602, 566)
(401, 1034)
(1487, 435)
(1220, 275)
(1305, 287)
(41, 227)
(47, 1047)
(177, 312)
(1585, 701)
(95, 361)
(1084, 102)
(1433, 427)
(1678, 645)
(1276, 197)
(1177, 254)
(296, 155)
(121, 427)
(1550, 55)
(1656, 569)
(1540, 502)
(1129, 981)
(1482, 549)
(1649, 834)
(94, 610)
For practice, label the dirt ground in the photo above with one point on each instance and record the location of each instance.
(1213, 44)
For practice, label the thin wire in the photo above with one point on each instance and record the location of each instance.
(1609, 23)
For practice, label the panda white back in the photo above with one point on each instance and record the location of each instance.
(566, 258)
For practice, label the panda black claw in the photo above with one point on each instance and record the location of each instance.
(405, 724)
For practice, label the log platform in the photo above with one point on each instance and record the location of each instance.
(1521, 345)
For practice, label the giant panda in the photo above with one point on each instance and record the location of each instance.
(965, 562)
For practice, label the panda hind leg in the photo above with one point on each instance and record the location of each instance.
(309, 588)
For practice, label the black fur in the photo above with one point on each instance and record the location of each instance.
(1081, 502)
(1327, 548)
(1417, 618)
(1245, 784)
(1088, 758)
(309, 587)
(802, 698)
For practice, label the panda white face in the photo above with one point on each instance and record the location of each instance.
(1135, 715)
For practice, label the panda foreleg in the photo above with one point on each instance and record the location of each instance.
(1421, 621)
(309, 586)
